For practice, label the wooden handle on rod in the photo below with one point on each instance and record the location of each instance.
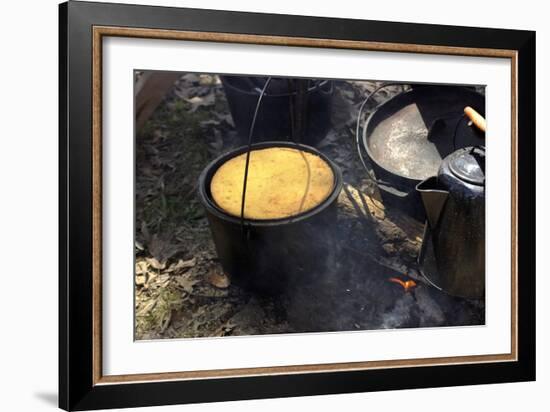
(476, 118)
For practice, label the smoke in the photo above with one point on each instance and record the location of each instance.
(344, 281)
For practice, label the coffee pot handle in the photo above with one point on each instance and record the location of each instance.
(475, 118)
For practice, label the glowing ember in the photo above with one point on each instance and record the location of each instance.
(407, 284)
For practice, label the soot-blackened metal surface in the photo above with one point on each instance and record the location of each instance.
(269, 256)
(456, 225)
(280, 108)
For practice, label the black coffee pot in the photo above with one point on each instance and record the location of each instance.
(452, 256)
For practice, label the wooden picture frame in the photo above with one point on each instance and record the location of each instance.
(81, 383)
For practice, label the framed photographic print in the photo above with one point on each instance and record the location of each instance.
(257, 205)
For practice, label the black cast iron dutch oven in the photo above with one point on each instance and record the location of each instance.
(406, 137)
(269, 256)
(280, 109)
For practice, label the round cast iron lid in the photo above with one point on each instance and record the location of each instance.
(469, 165)
(410, 134)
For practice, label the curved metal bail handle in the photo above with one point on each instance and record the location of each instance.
(249, 149)
(330, 89)
(359, 132)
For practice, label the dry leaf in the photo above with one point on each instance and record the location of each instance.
(154, 263)
(225, 329)
(225, 118)
(161, 249)
(216, 144)
(140, 280)
(146, 308)
(197, 102)
(191, 77)
(182, 264)
(219, 280)
(141, 267)
(165, 321)
(209, 122)
(186, 283)
(183, 93)
(145, 231)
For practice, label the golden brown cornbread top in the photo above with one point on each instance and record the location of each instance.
(282, 182)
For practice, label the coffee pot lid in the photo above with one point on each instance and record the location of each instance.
(468, 164)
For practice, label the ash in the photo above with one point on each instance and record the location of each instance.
(181, 289)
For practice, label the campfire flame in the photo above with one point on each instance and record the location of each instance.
(408, 285)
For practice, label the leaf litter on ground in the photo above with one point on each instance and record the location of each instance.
(181, 289)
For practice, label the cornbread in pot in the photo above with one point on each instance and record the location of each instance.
(282, 182)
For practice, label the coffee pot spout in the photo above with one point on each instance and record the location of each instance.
(433, 197)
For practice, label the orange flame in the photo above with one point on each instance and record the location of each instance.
(407, 285)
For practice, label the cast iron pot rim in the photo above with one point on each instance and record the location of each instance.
(254, 92)
(369, 119)
(208, 202)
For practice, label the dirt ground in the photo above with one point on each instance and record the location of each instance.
(181, 290)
